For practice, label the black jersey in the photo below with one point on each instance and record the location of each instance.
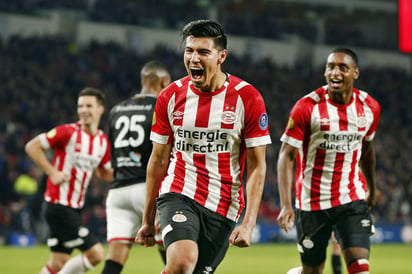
(130, 124)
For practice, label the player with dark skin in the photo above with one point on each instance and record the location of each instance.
(341, 71)
(130, 123)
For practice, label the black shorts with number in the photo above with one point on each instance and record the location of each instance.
(351, 224)
(181, 218)
(66, 229)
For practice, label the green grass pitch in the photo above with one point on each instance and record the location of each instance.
(259, 258)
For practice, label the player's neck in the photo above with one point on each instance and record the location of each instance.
(89, 128)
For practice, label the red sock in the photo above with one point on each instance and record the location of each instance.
(50, 270)
(359, 266)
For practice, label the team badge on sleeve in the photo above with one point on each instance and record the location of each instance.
(291, 123)
(154, 119)
(263, 121)
(51, 133)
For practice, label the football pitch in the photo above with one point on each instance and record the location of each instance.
(259, 258)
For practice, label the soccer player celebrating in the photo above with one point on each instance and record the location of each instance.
(330, 135)
(79, 149)
(129, 130)
(206, 125)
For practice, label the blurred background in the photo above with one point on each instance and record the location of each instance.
(50, 50)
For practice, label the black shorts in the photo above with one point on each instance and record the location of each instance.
(67, 230)
(351, 224)
(181, 218)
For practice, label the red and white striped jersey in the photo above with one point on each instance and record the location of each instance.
(210, 134)
(79, 154)
(329, 138)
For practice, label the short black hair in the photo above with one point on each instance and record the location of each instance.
(349, 52)
(90, 91)
(206, 28)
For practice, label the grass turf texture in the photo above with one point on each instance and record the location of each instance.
(259, 258)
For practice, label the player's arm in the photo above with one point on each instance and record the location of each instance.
(368, 167)
(285, 164)
(256, 172)
(105, 174)
(156, 170)
(37, 153)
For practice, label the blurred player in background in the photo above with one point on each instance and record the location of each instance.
(79, 149)
(206, 125)
(129, 129)
(330, 135)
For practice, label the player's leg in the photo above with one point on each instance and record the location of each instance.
(124, 210)
(180, 229)
(92, 254)
(313, 232)
(354, 229)
(60, 231)
(159, 241)
(335, 256)
(213, 240)
(68, 233)
(55, 263)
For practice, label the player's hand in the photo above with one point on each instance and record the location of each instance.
(241, 236)
(58, 177)
(145, 235)
(286, 218)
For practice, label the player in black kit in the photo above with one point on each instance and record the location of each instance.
(129, 129)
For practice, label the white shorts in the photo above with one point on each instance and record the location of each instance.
(124, 209)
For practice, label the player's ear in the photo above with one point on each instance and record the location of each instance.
(222, 56)
(356, 73)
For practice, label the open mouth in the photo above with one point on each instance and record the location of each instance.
(335, 82)
(197, 73)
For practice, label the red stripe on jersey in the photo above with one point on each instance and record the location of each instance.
(324, 116)
(82, 192)
(203, 111)
(179, 172)
(299, 179)
(230, 105)
(351, 186)
(180, 102)
(336, 178)
(72, 182)
(316, 178)
(201, 179)
(343, 119)
(226, 187)
(91, 141)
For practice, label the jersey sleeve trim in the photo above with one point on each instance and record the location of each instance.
(161, 139)
(258, 141)
(291, 141)
(43, 141)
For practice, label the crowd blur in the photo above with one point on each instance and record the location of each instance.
(320, 22)
(41, 76)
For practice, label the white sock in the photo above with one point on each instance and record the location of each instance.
(76, 265)
(295, 270)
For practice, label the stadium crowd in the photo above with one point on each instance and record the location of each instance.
(41, 77)
(282, 20)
